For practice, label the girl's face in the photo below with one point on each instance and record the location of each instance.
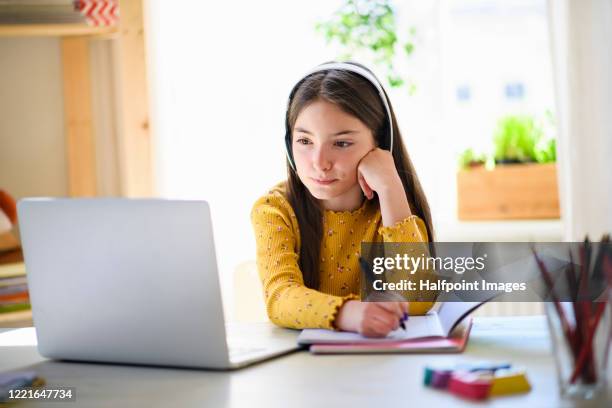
(328, 144)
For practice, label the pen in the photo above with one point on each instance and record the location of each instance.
(402, 320)
(367, 272)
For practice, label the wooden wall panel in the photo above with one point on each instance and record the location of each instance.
(80, 144)
(135, 147)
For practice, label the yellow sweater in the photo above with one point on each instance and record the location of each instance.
(288, 302)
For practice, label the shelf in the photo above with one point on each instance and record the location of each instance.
(54, 30)
(22, 318)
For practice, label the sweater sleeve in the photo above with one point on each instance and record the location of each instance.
(289, 303)
(412, 230)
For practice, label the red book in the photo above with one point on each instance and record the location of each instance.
(15, 297)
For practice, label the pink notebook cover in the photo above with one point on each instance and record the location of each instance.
(455, 343)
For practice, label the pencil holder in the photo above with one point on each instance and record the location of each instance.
(581, 355)
(579, 318)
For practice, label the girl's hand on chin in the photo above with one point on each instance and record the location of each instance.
(376, 173)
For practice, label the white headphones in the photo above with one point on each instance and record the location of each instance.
(344, 66)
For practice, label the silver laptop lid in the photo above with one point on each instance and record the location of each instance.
(124, 280)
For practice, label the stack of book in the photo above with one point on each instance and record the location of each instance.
(14, 294)
(42, 11)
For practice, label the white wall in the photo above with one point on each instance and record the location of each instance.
(582, 32)
(32, 147)
(32, 134)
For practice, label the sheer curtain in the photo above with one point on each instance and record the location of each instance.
(581, 32)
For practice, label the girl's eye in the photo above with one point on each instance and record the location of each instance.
(343, 144)
(303, 141)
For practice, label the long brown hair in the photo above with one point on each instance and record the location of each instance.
(358, 97)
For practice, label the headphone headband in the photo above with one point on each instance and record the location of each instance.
(343, 66)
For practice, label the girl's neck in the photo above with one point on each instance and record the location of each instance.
(349, 201)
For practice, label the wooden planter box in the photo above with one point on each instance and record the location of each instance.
(508, 192)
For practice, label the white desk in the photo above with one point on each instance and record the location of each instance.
(304, 380)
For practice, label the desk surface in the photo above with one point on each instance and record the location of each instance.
(304, 380)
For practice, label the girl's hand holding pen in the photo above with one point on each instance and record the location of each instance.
(371, 319)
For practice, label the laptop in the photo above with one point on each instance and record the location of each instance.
(133, 281)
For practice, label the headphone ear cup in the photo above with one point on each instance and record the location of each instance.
(289, 150)
(386, 136)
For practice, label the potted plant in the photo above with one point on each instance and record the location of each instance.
(470, 159)
(519, 139)
(520, 179)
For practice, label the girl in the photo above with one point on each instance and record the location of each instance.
(350, 180)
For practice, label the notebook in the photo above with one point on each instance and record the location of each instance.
(455, 343)
(443, 329)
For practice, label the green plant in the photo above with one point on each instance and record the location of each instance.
(370, 25)
(517, 139)
(546, 151)
(468, 158)
(520, 139)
